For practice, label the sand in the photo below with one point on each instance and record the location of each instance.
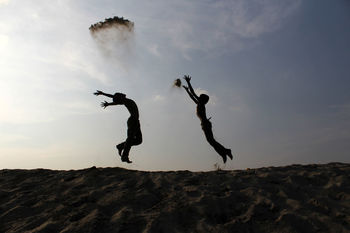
(296, 198)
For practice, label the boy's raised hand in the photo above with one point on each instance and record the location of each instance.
(187, 78)
(98, 92)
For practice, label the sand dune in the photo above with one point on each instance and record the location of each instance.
(308, 198)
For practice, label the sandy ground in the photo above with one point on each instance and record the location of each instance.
(308, 198)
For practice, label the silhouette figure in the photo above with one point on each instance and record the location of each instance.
(134, 135)
(201, 101)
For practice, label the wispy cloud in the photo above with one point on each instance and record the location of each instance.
(23, 111)
(342, 110)
(4, 40)
(154, 49)
(250, 19)
(224, 25)
(158, 98)
(4, 2)
(12, 138)
(45, 65)
(81, 59)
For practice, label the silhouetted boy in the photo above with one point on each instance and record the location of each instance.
(134, 131)
(201, 101)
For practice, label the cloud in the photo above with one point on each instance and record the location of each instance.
(29, 107)
(224, 25)
(4, 2)
(80, 59)
(4, 40)
(250, 19)
(47, 68)
(154, 49)
(12, 138)
(342, 110)
(158, 98)
(22, 112)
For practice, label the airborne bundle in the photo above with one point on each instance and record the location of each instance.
(112, 22)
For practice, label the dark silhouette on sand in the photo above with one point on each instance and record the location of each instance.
(201, 101)
(134, 135)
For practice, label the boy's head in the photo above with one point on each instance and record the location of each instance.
(203, 99)
(118, 98)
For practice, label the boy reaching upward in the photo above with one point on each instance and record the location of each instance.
(201, 101)
(134, 135)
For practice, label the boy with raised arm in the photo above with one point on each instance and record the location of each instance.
(201, 101)
(134, 135)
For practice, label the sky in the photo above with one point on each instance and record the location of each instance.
(277, 73)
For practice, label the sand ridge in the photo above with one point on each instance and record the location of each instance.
(296, 198)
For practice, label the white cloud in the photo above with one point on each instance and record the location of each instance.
(12, 138)
(154, 49)
(46, 66)
(4, 40)
(183, 37)
(4, 2)
(225, 25)
(79, 58)
(80, 107)
(28, 108)
(15, 111)
(158, 98)
(251, 19)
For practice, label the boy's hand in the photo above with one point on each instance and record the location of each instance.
(98, 92)
(187, 78)
(104, 104)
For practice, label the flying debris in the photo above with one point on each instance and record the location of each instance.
(114, 37)
(112, 22)
(177, 82)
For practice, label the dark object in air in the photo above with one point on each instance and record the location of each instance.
(109, 22)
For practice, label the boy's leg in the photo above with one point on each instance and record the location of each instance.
(120, 148)
(137, 139)
(229, 153)
(134, 138)
(220, 149)
(126, 159)
(127, 144)
(125, 153)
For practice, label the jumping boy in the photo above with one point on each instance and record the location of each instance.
(134, 135)
(201, 101)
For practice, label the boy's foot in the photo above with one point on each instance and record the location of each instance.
(126, 159)
(120, 149)
(224, 158)
(229, 153)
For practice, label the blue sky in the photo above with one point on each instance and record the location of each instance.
(277, 74)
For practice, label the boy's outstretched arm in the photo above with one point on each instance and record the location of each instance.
(188, 80)
(190, 94)
(102, 93)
